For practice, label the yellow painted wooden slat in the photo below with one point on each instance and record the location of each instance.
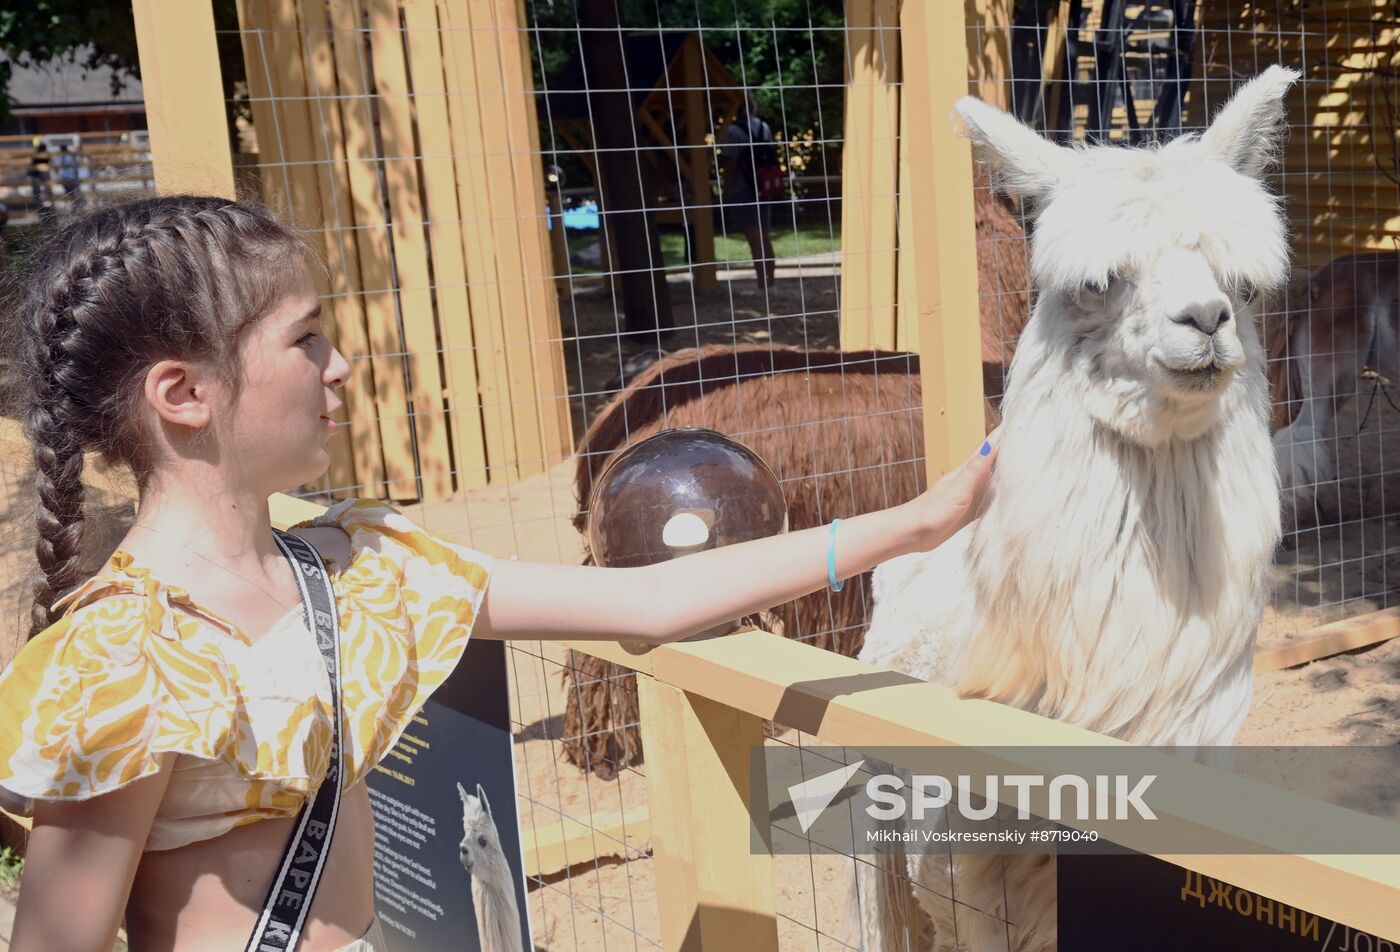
(483, 285)
(870, 176)
(252, 36)
(412, 275)
(713, 890)
(944, 239)
(551, 390)
(386, 347)
(184, 96)
(499, 205)
(445, 238)
(296, 180)
(342, 256)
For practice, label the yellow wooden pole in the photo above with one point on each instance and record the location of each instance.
(184, 96)
(870, 176)
(943, 234)
(712, 890)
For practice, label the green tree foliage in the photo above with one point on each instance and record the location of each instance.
(95, 34)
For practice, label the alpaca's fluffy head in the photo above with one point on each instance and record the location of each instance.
(1147, 260)
(480, 841)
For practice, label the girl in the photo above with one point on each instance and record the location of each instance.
(171, 715)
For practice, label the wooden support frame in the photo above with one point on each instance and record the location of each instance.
(713, 890)
(846, 702)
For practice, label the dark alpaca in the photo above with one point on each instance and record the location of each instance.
(843, 432)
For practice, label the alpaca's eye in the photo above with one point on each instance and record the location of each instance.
(481, 841)
(1248, 291)
(1095, 286)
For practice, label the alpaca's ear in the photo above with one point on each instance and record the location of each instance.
(1021, 160)
(1248, 131)
(461, 792)
(485, 803)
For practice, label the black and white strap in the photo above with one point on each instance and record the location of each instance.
(289, 899)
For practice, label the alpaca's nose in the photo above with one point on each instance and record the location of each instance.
(1206, 318)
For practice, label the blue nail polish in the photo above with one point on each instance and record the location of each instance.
(986, 448)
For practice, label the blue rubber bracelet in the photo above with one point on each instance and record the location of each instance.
(831, 579)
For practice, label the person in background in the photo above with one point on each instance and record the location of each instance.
(39, 171)
(68, 163)
(751, 179)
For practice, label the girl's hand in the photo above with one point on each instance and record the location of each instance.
(957, 498)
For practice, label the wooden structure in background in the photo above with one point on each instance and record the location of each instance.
(908, 247)
(1341, 164)
(683, 97)
(408, 157)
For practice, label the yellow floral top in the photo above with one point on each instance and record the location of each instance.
(134, 669)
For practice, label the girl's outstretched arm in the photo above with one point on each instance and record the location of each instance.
(671, 600)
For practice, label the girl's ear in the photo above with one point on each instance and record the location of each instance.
(180, 393)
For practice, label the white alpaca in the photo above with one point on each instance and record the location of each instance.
(493, 887)
(1117, 576)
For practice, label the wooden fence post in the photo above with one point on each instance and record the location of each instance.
(712, 890)
(943, 236)
(184, 96)
(870, 175)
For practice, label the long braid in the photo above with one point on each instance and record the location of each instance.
(109, 295)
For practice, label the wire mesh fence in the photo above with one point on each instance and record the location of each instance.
(551, 229)
(557, 228)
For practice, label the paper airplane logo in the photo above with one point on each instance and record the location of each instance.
(811, 797)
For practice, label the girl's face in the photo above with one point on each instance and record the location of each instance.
(277, 432)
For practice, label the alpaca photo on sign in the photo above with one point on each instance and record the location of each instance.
(493, 886)
(1117, 574)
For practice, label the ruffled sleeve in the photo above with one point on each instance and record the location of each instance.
(91, 703)
(407, 601)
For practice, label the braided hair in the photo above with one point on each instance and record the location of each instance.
(102, 300)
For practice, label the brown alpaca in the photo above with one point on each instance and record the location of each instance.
(838, 428)
(843, 432)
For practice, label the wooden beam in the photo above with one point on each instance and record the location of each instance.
(944, 236)
(554, 846)
(184, 96)
(1347, 634)
(712, 888)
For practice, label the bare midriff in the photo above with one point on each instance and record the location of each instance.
(207, 895)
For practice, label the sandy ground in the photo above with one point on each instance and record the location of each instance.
(1343, 565)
